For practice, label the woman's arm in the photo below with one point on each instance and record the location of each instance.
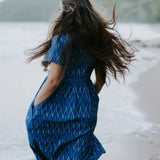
(100, 81)
(50, 85)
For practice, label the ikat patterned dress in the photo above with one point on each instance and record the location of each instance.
(62, 126)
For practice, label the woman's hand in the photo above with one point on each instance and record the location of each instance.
(36, 103)
(45, 92)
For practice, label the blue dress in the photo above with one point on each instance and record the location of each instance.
(61, 127)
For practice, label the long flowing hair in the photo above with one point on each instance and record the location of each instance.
(111, 53)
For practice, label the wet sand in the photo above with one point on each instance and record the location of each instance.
(143, 145)
(148, 91)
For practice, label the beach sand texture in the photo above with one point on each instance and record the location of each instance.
(142, 145)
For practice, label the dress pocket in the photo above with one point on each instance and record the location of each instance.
(38, 105)
(45, 101)
(36, 110)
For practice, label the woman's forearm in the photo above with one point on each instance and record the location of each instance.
(98, 87)
(45, 92)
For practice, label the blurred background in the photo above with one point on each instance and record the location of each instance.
(129, 113)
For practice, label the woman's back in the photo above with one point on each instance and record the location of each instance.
(76, 92)
(80, 61)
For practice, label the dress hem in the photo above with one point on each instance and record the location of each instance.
(98, 155)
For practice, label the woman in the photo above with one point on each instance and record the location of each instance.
(63, 114)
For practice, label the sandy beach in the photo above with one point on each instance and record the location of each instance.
(143, 145)
(148, 91)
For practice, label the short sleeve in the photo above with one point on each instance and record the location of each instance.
(56, 51)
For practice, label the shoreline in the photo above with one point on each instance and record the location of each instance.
(148, 91)
(141, 145)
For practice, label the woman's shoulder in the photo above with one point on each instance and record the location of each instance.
(61, 37)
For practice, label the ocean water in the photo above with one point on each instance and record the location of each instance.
(117, 115)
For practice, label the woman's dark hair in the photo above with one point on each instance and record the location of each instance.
(111, 53)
